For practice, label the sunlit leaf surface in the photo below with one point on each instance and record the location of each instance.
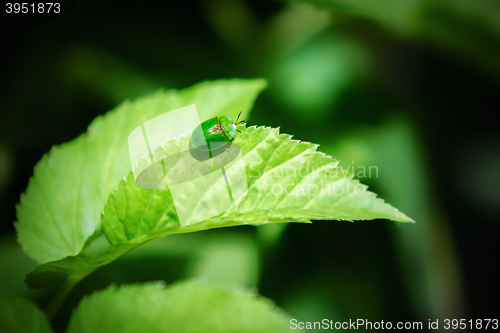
(182, 307)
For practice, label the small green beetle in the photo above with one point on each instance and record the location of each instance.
(217, 131)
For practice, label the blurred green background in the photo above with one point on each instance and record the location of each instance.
(409, 88)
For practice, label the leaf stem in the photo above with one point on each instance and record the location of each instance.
(61, 295)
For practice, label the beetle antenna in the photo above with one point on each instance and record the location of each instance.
(241, 122)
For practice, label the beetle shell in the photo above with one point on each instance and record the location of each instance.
(217, 131)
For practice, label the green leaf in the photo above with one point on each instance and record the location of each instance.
(18, 315)
(182, 307)
(289, 181)
(313, 187)
(61, 207)
(468, 29)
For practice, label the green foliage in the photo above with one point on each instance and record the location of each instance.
(310, 183)
(465, 28)
(189, 306)
(310, 186)
(288, 181)
(21, 316)
(331, 72)
(61, 207)
(182, 307)
(311, 79)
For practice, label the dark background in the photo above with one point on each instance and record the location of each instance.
(420, 104)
